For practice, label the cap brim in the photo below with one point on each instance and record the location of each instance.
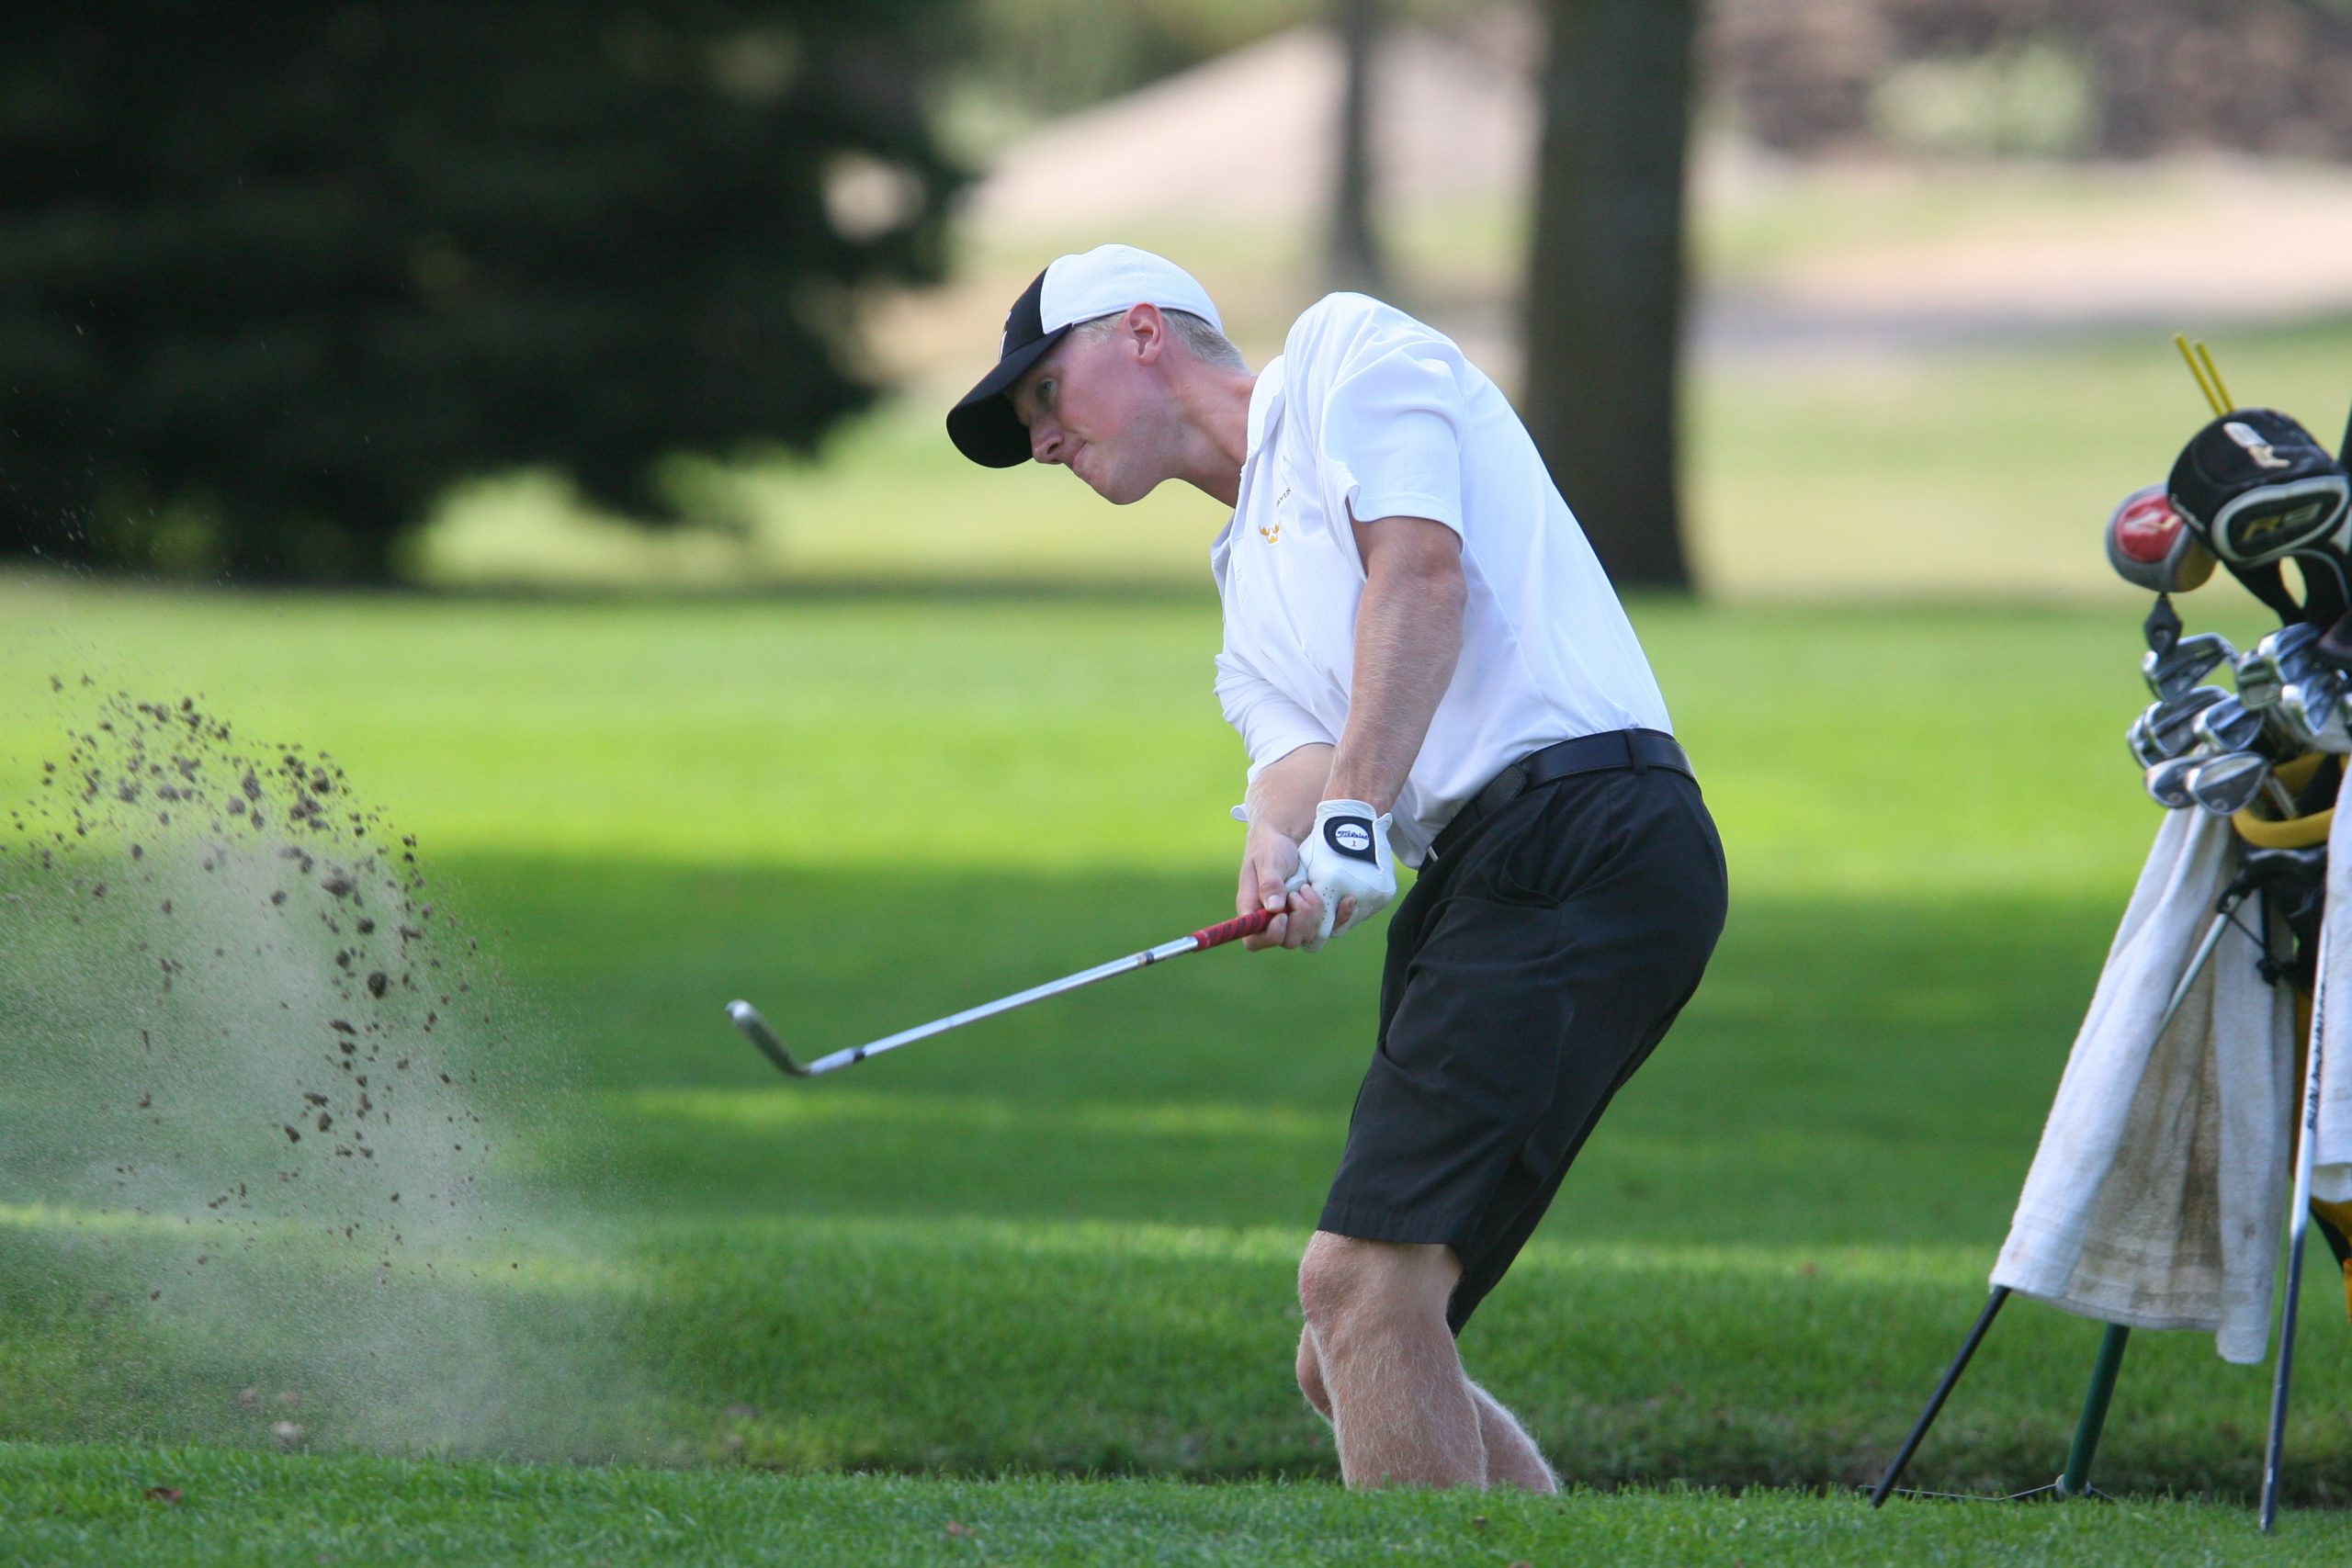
(983, 426)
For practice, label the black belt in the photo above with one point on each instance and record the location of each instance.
(1639, 749)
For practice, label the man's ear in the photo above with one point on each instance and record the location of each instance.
(1148, 330)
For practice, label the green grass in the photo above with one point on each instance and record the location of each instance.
(90, 1506)
(1062, 1244)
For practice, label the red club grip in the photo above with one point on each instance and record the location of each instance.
(1235, 929)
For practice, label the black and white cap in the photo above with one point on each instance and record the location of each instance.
(1100, 282)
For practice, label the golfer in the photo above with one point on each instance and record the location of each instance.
(1426, 664)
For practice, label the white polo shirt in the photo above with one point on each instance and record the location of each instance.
(1369, 413)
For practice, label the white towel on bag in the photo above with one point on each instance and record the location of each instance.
(2332, 1152)
(2154, 1197)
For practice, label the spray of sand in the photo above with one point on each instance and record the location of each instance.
(265, 1140)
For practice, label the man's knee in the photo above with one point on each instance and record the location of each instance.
(1346, 1284)
(1310, 1375)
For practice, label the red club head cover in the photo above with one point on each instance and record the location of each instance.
(2150, 547)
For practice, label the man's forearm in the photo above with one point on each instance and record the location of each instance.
(1408, 636)
(1286, 792)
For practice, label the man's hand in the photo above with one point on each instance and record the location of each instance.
(1272, 878)
(1346, 859)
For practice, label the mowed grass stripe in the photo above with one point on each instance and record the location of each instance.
(92, 1505)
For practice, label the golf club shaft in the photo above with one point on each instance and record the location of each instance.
(1200, 940)
(2298, 1221)
(2213, 935)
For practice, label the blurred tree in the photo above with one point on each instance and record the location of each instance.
(1354, 251)
(1605, 286)
(272, 275)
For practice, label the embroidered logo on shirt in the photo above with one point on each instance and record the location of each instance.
(1273, 532)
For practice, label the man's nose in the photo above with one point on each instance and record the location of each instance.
(1045, 441)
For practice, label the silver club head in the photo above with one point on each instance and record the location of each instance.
(2290, 642)
(2170, 728)
(2168, 782)
(2227, 784)
(2189, 662)
(2286, 656)
(2259, 677)
(753, 1028)
(2308, 717)
(2228, 726)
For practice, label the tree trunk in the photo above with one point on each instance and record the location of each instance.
(1604, 296)
(1355, 258)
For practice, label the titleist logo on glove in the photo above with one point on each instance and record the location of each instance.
(1347, 856)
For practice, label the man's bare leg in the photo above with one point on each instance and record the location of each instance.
(1401, 1411)
(1512, 1458)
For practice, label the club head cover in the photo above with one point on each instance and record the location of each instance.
(2258, 489)
(2151, 546)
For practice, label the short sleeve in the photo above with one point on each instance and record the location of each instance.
(1271, 726)
(1391, 434)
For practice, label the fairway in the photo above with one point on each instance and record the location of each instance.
(1062, 1244)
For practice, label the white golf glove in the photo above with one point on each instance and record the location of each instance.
(1346, 856)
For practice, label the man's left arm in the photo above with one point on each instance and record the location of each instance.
(1408, 636)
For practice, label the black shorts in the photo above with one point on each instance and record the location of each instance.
(1529, 974)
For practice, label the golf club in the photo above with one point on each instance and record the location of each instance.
(2168, 729)
(2168, 782)
(2286, 654)
(2151, 545)
(2309, 716)
(2227, 784)
(2185, 663)
(747, 1019)
(2299, 1219)
(2228, 726)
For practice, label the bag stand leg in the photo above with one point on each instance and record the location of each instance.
(2076, 1479)
(1936, 1400)
(2110, 1350)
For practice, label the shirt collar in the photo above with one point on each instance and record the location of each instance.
(1265, 406)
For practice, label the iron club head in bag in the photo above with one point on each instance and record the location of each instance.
(2169, 729)
(2228, 726)
(2168, 782)
(2176, 671)
(2309, 716)
(2227, 784)
(2291, 653)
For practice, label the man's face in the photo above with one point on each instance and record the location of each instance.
(1093, 406)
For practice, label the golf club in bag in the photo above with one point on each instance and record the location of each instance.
(747, 1019)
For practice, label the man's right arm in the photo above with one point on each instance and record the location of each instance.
(1282, 804)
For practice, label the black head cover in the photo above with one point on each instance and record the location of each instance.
(2258, 489)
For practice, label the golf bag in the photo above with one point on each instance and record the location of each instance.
(2202, 1072)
